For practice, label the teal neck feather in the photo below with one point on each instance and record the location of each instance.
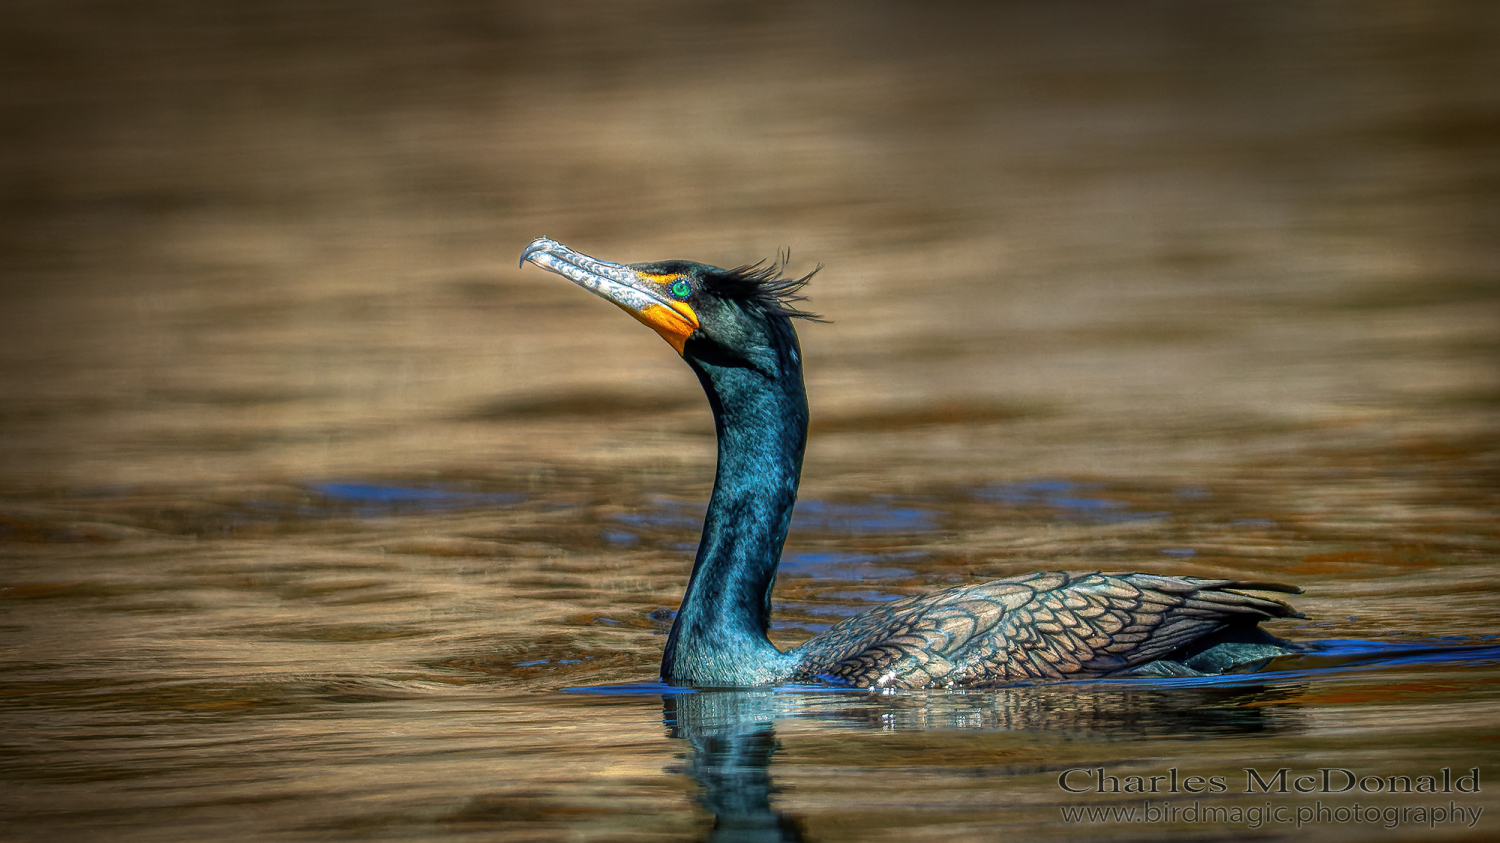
(760, 416)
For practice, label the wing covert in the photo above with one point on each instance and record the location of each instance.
(1042, 626)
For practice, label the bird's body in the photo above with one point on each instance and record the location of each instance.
(733, 327)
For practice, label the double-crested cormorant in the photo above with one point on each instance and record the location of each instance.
(733, 327)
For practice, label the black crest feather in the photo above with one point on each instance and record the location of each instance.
(763, 284)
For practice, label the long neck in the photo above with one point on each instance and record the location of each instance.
(719, 636)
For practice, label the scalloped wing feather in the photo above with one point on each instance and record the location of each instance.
(1040, 626)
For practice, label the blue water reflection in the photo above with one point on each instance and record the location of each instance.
(835, 565)
(366, 500)
(1069, 500)
(868, 517)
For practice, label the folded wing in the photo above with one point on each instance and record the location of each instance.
(1050, 625)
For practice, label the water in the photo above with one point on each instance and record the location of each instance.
(319, 519)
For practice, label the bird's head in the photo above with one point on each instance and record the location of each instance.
(735, 317)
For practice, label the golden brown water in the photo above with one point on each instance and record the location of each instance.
(317, 514)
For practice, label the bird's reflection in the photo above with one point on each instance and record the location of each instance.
(732, 738)
(732, 743)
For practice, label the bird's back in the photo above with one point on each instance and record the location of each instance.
(1051, 625)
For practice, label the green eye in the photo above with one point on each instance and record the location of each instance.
(681, 288)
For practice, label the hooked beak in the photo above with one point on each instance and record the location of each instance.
(640, 294)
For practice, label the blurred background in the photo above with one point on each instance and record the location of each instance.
(277, 241)
(312, 501)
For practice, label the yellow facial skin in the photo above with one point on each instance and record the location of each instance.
(673, 319)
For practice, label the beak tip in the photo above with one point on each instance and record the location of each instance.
(540, 244)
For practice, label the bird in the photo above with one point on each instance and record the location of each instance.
(733, 328)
